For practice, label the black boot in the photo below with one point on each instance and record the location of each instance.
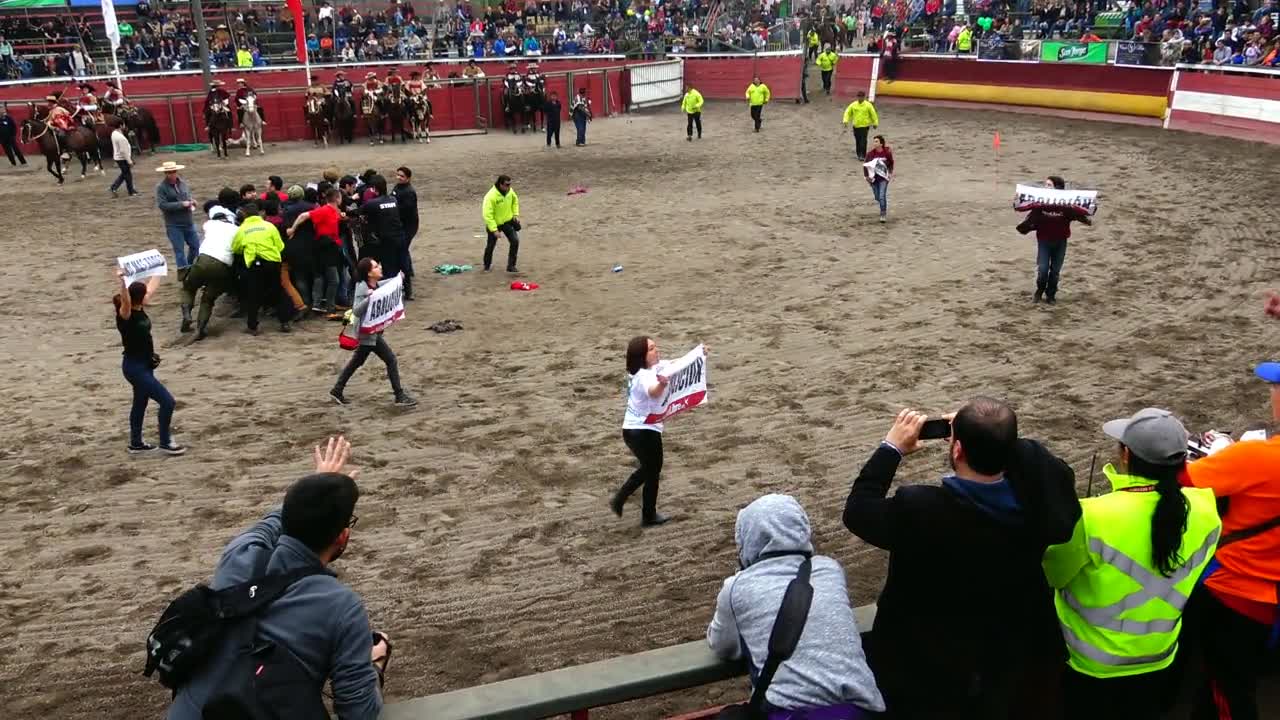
(1040, 284)
(1051, 292)
(186, 318)
(620, 498)
(650, 516)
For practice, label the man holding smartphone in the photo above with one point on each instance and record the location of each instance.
(966, 614)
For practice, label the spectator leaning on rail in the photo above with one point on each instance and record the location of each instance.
(319, 621)
(965, 614)
(828, 672)
(1236, 605)
(1124, 577)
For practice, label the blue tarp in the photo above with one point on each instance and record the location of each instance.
(98, 4)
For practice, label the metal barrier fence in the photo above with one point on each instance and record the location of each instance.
(1105, 52)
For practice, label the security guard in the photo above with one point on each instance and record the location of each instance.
(862, 115)
(501, 213)
(757, 96)
(827, 64)
(1124, 578)
(692, 106)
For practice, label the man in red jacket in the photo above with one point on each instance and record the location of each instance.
(1052, 224)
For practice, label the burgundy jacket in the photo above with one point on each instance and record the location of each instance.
(879, 152)
(1052, 223)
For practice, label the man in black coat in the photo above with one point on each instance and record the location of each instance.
(9, 137)
(299, 249)
(966, 619)
(407, 202)
(384, 234)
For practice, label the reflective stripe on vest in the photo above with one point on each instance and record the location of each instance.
(1107, 658)
(1153, 586)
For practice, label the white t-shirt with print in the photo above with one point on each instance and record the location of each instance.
(639, 404)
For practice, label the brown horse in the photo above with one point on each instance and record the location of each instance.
(140, 125)
(319, 111)
(219, 128)
(344, 118)
(79, 140)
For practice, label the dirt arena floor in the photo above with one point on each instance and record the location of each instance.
(485, 547)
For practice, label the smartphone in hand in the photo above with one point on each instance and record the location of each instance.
(939, 429)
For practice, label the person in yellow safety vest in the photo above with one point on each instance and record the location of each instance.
(964, 41)
(812, 50)
(827, 64)
(757, 96)
(864, 118)
(692, 106)
(1124, 578)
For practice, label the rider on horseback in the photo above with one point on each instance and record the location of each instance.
(394, 84)
(372, 90)
(316, 90)
(415, 86)
(243, 91)
(431, 76)
(342, 86)
(217, 96)
(87, 108)
(113, 100)
(534, 79)
(58, 119)
(512, 79)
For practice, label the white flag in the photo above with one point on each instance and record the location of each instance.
(109, 24)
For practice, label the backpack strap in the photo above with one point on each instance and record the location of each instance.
(248, 598)
(788, 626)
(1245, 533)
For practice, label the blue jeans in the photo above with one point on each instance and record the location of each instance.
(880, 189)
(580, 123)
(180, 235)
(1049, 258)
(146, 387)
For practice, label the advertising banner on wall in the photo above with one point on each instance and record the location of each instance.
(1075, 52)
(1129, 52)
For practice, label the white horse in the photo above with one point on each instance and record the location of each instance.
(251, 126)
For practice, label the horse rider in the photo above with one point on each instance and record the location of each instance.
(316, 90)
(243, 91)
(415, 86)
(394, 84)
(342, 86)
(512, 78)
(217, 96)
(113, 100)
(431, 76)
(88, 109)
(372, 89)
(534, 79)
(58, 119)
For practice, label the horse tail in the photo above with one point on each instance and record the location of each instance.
(153, 132)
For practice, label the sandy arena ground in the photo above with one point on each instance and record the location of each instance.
(485, 547)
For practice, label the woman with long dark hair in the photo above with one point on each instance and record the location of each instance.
(369, 272)
(643, 437)
(1124, 577)
(140, 362)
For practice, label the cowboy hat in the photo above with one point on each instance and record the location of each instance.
(371, 75)
(51, 98)
(170, 166)
(239, 80)
(216, 81)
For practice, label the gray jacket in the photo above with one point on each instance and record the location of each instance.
(318, 619)
(169, 198)
(828, 667)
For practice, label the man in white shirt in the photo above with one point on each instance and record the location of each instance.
(212, 268)
(122, 152)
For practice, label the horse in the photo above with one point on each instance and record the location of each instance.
(220, 128)
(372, 109)
(139, 122)
(344, 118)
(513, 107)
(535, 98)
(418, 109)
(319, 110)
(394, 109)
(80, 141)
(251, 126)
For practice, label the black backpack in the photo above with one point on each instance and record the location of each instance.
(264, 682)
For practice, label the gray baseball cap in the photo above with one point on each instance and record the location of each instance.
(1152, 434)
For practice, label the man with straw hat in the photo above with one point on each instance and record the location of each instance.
(173, 197)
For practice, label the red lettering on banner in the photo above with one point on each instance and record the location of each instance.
(677, 407)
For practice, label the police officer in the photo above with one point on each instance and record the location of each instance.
(757, 97)
(827, 64)
(384, 231)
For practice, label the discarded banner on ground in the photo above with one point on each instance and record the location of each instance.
(686, 386)
(1026, 195)
(149, 263)
(386, 305)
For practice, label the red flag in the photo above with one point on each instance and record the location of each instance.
(299, 29)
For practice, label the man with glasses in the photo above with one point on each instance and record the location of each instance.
(319, 620)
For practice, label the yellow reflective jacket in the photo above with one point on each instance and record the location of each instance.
(964, 41)
(692, 102)
(827, 60)
(861, 114)
(498, 209)
(758, 94)
(1119, 615)
(257, 239)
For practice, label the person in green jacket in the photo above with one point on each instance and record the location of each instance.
(1123, 579)
(501, 212)
(692, 106)
(964, 41)
(258, 241)
(827, 64)
(812, 50)
(861, 114)
(757, 96)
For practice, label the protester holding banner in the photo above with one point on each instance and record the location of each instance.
(369, 273)
(643, 438)
(140, 362)
(878, 170)
(1052, 223)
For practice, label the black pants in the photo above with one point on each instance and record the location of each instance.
(695, 120)
(826, 81)
(126, 177)
(860, 141)
(1148, 696)
(262, 289)
(362, 353)
(889, 66)
(513, 245)
(1234, 649)
(13, 151)
(553, 131)
(646, 445)
(756, 111)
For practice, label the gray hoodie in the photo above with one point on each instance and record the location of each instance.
(828, 667)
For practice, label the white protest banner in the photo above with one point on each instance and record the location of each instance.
(1025, 195)
(876, 167)
(149, 263)
(386, 305)
(686, 386)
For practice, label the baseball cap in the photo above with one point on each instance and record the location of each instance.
(1269, 371)
(295, 192)
(1152, 434)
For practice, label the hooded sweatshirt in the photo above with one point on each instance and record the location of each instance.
(219, 231)
(828, 667)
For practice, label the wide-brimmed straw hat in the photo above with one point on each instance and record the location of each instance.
(170, 166)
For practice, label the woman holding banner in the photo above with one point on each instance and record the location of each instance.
(643, 438)
(1052, 224)
(140, 362)
(369, 272)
